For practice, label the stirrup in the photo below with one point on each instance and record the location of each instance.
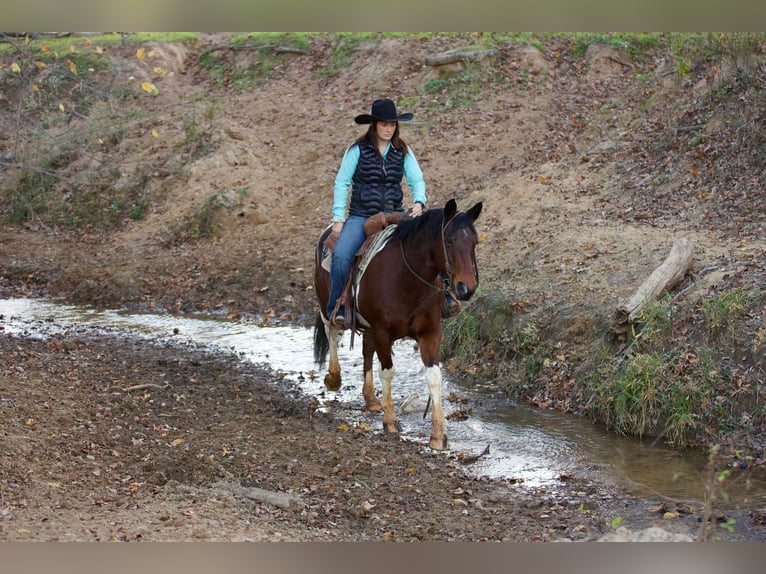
(339, 319)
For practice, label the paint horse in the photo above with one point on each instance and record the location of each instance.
(401, 294)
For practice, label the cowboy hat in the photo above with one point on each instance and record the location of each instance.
(384, 111)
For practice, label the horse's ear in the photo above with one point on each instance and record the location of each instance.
(450, 209)
(474, 212)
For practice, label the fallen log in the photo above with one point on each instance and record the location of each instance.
(452, 57)
(663, 278)
(283, 500)
(258, 48)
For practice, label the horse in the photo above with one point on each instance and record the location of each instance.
(400, 294)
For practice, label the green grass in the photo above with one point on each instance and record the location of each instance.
(458, 90)
(636, 45)
(198, 125)
(343, 50)
(461, 337)
(489, 332)
(722, 311)
(635, 400)
(296, 40)
(47, 47)
(684, 375)
(654, 323)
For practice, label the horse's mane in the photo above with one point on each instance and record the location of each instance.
(428, 224)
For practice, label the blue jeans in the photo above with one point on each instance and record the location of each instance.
(351, 238)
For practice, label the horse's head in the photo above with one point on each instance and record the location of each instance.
(460, 241)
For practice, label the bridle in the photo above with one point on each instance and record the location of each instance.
(447, 279)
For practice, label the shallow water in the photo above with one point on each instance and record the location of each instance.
(536, 447)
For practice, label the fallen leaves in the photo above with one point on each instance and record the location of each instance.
(150, 88)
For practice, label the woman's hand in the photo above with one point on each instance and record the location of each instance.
(416, 209)
(337, 226)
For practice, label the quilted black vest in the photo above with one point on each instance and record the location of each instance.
(377, 184)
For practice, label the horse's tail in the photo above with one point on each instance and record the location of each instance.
(321, 342)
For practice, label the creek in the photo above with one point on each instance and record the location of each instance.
(536, 447)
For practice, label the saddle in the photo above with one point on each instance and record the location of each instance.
(374, 241)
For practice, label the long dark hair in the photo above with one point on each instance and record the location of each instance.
(371, 137)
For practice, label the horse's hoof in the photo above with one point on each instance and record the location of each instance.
(395, 428)
(332, 382)
(439, 444)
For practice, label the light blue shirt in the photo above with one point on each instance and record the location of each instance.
(412, 174)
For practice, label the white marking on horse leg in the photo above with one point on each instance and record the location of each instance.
(333, 337)
(389, 419)
(434, 380)
(333, 379)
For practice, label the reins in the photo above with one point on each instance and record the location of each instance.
(447, 262)
(415, 273)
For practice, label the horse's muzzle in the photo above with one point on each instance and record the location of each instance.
(463, 292)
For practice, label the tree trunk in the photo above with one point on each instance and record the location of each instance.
(665, 277)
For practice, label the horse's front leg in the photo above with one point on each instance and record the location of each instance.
(429, 352)
(332, 380)
(383, 349)
(371, 403)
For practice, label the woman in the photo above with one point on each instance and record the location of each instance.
(373, 167)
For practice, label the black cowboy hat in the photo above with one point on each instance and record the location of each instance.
(384, 111)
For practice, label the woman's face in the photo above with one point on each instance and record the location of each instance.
(385, 130)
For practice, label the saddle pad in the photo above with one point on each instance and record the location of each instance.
(326, 258)
(377, 243)
(371, 249)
